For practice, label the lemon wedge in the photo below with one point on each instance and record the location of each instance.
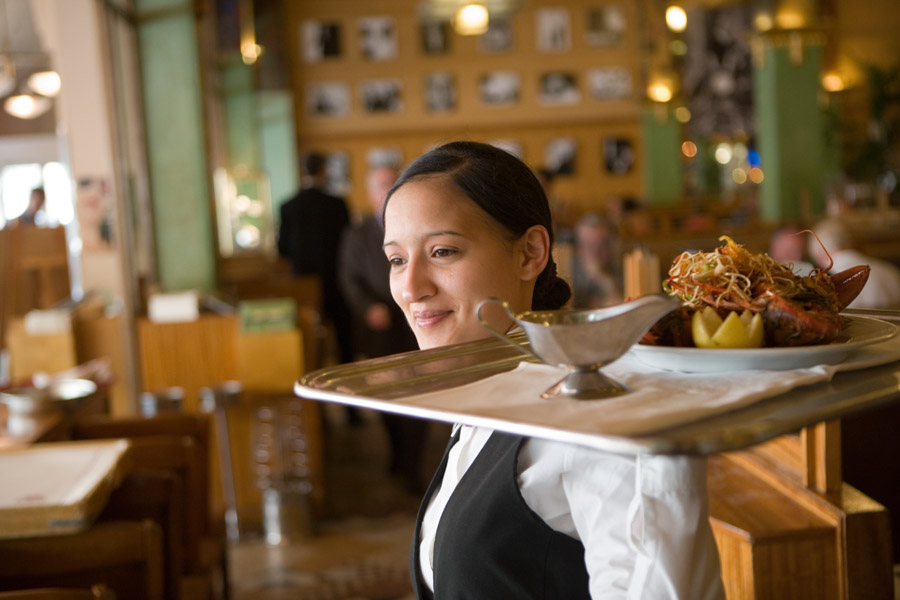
(744, 330)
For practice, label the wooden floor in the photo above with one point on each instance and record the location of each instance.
(360, 549)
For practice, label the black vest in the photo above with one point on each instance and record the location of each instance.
(490, 545)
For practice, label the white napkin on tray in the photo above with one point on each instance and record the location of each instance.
(658, 398)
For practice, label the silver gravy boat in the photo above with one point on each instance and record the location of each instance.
(583, 341)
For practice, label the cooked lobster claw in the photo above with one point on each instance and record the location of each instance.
(849, 283)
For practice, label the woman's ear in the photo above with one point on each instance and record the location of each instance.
(535, 251)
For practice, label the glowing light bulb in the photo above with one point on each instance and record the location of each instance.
(471, 19)
(676, 18)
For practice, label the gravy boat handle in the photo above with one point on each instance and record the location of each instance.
(498, 334)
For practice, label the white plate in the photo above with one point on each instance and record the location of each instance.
(859, 332)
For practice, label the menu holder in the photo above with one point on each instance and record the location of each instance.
(642, 275)
(58, 488)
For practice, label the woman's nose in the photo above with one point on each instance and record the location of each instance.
(417, 283)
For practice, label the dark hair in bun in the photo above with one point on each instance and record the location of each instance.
(506, 189)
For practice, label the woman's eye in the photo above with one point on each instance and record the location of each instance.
(395, 261)
(443, 252)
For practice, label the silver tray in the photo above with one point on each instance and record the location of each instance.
(382, 384)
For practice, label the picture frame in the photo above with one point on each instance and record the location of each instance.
(381, 96)
(553, 28)
(434, 37)
(319, 40)
(558, 88)
(560, 155)
(378, 38)
(384, 156)
(618, 155)
(606, 26)
(500, 88)
(610, 83)
(440, 92)
(328, 99)
(499, 36)
(337, 173)
(514, 147)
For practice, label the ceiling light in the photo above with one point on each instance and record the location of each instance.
(676, 18)
(45, 83)
(472, 19)
(26, 106)
(659, 92)
(833, 82)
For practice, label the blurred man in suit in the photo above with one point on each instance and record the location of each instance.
(312, 223)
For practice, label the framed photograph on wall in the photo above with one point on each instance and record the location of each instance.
(609, 83)
(498, 37)
(435, 37)
(384, 156)
(560, 155)
(378, 38)
(553, 27)
(606, 25)
(319, 40)
(328, 99)
(440, 92)
(618, 155)
(514, 147)
(381, 95)
(559, 88)
(500, 88)
(337, 173)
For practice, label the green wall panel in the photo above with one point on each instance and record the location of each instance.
(176, 147)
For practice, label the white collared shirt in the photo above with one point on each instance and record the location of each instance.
(642, 519)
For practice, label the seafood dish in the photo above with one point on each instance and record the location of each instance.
(795, 310)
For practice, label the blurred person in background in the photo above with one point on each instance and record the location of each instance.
(788, 245)
(311, 226)
(33, 214)
(379, 326)
(882, 290)
(597, 268)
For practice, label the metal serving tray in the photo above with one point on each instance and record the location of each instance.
(382, 384)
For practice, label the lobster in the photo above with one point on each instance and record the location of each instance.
(809, 314)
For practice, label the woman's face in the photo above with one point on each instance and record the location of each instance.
(446, 256)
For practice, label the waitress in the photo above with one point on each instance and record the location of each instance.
(506, 516)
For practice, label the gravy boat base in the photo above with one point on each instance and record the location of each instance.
(585, 385)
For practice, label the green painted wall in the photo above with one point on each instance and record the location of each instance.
(663, 171)
(176, 149)
(790, 135)
(279, 145)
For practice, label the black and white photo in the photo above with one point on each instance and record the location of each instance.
(609, 83)
(560, 155)
(618, 155)
(553, 29)
(498, 37)
(378, 38)
(606, 25)
(328, 99)
(440, 92)
(319, 41)
(381, 96)
(559, 88)
(514, 147)
(384, 156)
(337, 173)
(435, 37)
(500, 88)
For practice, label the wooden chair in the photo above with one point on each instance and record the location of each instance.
(205, 547)
(160, 497)
(96, 592)
(125, 556)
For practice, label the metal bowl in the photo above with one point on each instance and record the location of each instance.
(65, 394)
(583, 341)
